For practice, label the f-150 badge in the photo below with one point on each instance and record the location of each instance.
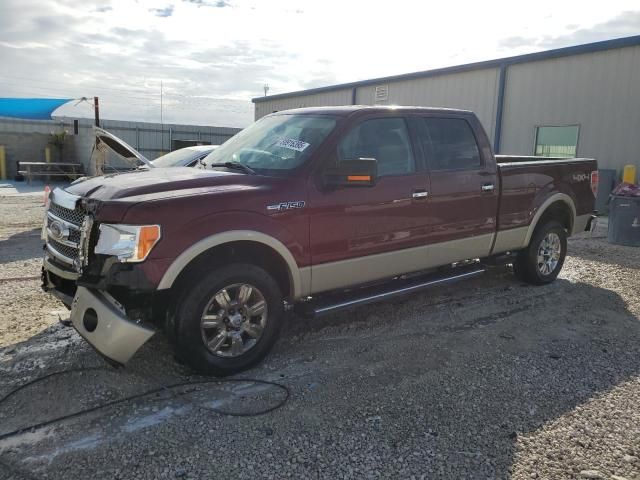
(282, 206)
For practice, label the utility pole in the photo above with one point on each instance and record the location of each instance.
(96, 110)
(101, 155)
(266, 89)
(161, 121)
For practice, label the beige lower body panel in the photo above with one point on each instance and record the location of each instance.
(516, 238)
(581, 223)
(346, 273)
(305, 281)
(512, 239)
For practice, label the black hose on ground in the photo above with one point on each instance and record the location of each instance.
(129, 398)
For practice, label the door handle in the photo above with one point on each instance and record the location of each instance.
(420, 194)
(488, 187)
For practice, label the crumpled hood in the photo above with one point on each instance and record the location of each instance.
(155, 180)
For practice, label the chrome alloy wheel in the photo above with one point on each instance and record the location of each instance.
(549, 253)
(234, 319)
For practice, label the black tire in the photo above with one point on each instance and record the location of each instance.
(190, 345)
(526, 267)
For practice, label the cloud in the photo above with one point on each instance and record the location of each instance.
(123, 64)
(213, 56)
(162, 12)
(625, 24)
(210, 3)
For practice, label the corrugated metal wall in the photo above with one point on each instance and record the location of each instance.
(153, 139)
(475, 90)
(332, 98)
(598, 91)
(26, 139)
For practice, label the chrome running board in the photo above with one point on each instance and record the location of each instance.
(332, 303)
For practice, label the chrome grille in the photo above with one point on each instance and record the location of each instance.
(69, 252)
(73, 216)
(64, 227)
(74, 236)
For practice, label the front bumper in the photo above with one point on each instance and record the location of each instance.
(102, 322)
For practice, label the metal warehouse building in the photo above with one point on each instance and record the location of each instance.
(582, 100)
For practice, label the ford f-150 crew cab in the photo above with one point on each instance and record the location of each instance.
(311, 210)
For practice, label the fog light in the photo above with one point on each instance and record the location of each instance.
(90, 320)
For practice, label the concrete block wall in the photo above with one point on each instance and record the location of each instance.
(25, 147)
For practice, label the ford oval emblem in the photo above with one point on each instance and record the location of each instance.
(57, 230)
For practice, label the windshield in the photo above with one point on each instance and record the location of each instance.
(176, 158)
(274, 144)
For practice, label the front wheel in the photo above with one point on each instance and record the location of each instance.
(228, 320)
(541, 262)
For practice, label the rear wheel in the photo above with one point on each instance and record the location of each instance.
(542, 260)
(229, 319)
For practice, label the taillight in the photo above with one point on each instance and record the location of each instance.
(594, 182)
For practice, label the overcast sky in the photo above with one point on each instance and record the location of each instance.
(213, 56)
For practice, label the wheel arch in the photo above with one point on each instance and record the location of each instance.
(266, 250)
(558, 206)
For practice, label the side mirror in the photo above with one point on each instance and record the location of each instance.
(352, 173)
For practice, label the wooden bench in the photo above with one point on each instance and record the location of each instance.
(50, 169)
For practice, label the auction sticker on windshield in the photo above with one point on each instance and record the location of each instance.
(292, 144)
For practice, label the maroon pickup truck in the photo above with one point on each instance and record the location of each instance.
(310, 210)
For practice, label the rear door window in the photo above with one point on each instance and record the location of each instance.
(386, 140)
(450, 144)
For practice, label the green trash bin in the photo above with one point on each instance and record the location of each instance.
(624, 221)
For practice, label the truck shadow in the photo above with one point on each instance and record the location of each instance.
(450, 380)
(469, 371)
(25, 245)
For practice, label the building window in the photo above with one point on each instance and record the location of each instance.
(557, 141)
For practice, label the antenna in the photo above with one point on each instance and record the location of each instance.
(161, 121)
(266, 89)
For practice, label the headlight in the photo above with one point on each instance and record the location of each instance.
(130, 243)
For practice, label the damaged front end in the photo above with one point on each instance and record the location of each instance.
(80, 278)
(103, 322)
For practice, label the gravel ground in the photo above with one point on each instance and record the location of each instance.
(485, 379)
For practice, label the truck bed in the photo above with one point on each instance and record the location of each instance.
(526, 181)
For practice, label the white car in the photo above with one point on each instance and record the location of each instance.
(184, 157)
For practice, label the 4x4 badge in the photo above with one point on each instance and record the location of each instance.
(282, 206)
